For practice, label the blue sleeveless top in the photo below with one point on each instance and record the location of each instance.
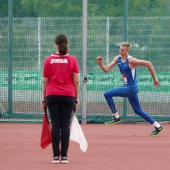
(128, 74)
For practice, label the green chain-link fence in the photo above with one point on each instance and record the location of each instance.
(27, 30)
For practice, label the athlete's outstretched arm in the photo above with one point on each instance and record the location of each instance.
(148, 64)
(109, 66)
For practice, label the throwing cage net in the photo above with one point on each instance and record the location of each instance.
(27, 31)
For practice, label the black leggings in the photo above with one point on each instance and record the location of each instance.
(60, 108)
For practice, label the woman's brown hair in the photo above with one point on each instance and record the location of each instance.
(62, 42)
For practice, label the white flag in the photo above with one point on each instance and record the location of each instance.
(76, 134)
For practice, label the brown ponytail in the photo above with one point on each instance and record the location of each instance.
(62, 42)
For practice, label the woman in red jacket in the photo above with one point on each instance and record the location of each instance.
(60, 94)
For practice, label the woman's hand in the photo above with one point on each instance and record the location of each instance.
(77, 103)
(43, 104)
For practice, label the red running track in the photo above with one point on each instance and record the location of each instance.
(117, 147)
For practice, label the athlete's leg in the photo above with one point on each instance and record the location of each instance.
(121, 92)
(134, 101)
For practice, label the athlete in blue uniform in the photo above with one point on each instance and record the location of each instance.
(127, 66)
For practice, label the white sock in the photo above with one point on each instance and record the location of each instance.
(156, 124)
(116, 115)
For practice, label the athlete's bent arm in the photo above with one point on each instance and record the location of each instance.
(148, 64)
(109, 66)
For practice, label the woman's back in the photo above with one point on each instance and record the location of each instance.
(59, 70)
